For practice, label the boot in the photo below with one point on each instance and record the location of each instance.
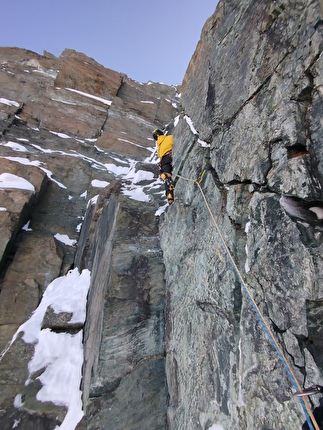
(170, 198)
(170, 184)
(165, 175)
(169, 181)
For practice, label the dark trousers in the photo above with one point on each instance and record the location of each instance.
(167, 167)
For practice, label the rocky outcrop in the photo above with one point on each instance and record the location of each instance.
(253, 103)
(125, 342)
(79, 188)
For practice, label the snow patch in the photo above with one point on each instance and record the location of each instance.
(91, 96)
(26, 227)
(24, 161)
(139, 176)
(193, 130)
(65, 239)
(190, 124)
(161, 210)
(18, 401)
(136, 193)
(99, 184)
(98, 149)
(16, 423)
(8, 180)
(62, 135)
(93, 200)
(9, 102)
(60, 353)
(50, 176)
(16, 146)
(203, 143)
(117, 170)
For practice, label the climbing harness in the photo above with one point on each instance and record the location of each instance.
(311, 421)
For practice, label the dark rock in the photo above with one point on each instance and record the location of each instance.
(251, 104)
(60, 322)
(22, 420)
(127, 304)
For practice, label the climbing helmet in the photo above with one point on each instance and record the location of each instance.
(157, 132)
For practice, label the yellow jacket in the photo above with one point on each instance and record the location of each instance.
(164, 145)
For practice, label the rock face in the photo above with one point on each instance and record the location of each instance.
(79, 188)
(252, 96)
(124, 368)
(209, 317)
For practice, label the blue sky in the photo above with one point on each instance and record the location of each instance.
(146, 39)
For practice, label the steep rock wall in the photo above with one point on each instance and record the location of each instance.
(124, 364)
(252, 101)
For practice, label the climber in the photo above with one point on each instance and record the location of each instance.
(164, 151)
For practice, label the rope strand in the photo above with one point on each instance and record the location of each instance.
(304, 402)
